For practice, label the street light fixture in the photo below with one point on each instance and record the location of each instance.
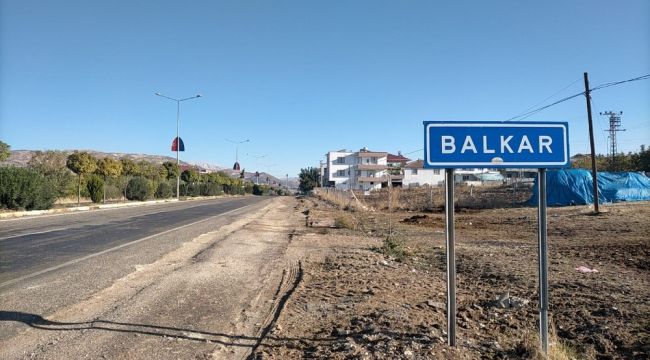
(257, 158)
(236, 166)
(178, 139)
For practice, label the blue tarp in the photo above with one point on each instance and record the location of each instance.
(575, 187)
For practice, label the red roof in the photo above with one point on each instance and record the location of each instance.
(397, 158)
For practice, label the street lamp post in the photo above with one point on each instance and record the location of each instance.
(257, 158)
(178, 139)
(237, 150)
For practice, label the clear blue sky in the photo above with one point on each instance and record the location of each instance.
(300, 78)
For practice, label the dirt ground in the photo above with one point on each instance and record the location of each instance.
(373, 284)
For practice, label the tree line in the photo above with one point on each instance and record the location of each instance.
(52, 175)
(632, 161)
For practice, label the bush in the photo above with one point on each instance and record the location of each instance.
(25, 189)
(190, 189)
(164, 191)
(137, 189)
(95, 187)
(233, 189)
(112, 192)
(211, 189)
(394, 247)
(260, 189)
(344, 222)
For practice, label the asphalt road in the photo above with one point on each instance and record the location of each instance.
(33, 246)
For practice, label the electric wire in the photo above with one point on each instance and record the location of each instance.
(545, 99)
(599, 87)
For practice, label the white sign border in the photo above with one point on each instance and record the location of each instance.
(500, 125)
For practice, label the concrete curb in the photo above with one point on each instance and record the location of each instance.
(18, 214)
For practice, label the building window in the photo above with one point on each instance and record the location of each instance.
(414, 171)
(436, 171)
(340, 173)
(340, 160)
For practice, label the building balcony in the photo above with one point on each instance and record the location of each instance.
(371, 179)
(371, 167)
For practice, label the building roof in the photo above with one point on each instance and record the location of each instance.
(417, 164)
(397, 158)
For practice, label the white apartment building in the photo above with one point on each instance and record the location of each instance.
(416, 175)
(337, 168)
(362, 170)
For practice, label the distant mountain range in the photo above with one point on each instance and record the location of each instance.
(22, 157)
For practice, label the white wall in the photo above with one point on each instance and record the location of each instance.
(342, 181)
(423, 177)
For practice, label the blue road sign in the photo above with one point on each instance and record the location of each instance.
(493, 144)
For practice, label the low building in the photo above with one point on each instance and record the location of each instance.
(416, 175)
(479, 178)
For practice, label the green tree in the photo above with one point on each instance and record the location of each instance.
(81, 163)
(172, 169)
(52, 165)
(108, 167)
(95, 187)
(190, 176)
(130, 168)
(152, 171)
(308, 179)
(137, 189)
(4, 151)
(164, 191)
(24, 189)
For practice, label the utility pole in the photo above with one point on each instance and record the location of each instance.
(594, 171)
(614, 125)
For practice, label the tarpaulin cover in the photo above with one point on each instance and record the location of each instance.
(575, 187)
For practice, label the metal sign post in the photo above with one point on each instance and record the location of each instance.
(451, 257)
(497, 145)
(543, 260)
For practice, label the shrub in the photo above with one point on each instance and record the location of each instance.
(344, 222)
(164, 191)
(95, 187)
(260, 189)
(137, 189)
(112, 191)
(25, 189)
(211, 189)
(234, 189)
(394, 247)
(191, 189)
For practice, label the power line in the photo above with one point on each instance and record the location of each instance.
(599, 87)
(533, 112)
(542, 101)
(643, 77)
